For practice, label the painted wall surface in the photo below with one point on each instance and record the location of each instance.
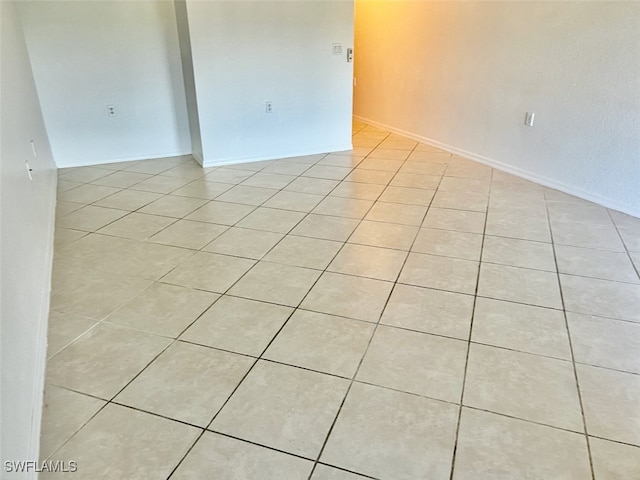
(184, 38)
(246, 53)
(26, 248)
(87, 55)
(463, 74)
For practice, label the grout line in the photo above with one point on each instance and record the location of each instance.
(466, 362)
(573, 358)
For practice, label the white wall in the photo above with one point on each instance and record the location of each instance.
(248, 52)
(87, 55)
(184, 38)
(26, 247)
(463, 74)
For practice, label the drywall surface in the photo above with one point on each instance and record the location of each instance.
(26, 248)
(189, 82)
(463, 74)
(246, 53)
(87, 55)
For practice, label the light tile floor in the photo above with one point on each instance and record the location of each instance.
(391, 312)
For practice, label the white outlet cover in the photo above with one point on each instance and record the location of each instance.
(337, 49)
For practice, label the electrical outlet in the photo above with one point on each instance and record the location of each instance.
(528, 119)
(337, 49)
(268, 107)
(111, 110)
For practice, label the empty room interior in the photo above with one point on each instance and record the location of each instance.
(320, 239)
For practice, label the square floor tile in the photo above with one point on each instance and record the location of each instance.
(522, 385)
(65, 208)
(221, 213)
(159, 184)
(63, 413)
(518, 226)
(124, 256)
(187, 382)
(152, 167)
(189, 234)
(275, 283)
(239, 325)
(90, 218)
(269, 180)
(429, 311)
(163, 309)
(296, 201)
(317, 186)
(327, 171)
(63, 329)
(448, 243)
(304, 252)
(246, 195)
(109, 445)
(378, 177)
(129, 200)
(387, 434)
(388, 235)
(601, 297)
(82, 174)
(397, 213)
(323, 472)
(602, 264)
(586, 235)
(522, 285)
(521, 327)
(283, 407)
(443, 273)
(348, 296)
(610, 400)
(242, 242)
(326, 227)
(321, 342)
(415, 363)
(476, 202)
(86, 194)
(122, 179)
(614, 461)
(218, 457)
(406, 195)
(229, 175)
(64, 236)
(493, 446)
(90, 293)
(271, 220)
(416, 180)
(137, 226)
(104, 360)
(363, 191)
(203, 189)
(605, 342)
(371, 262)
(209, 271)
(519, 253)
(173, 206)
(459, 220)
(343, 207)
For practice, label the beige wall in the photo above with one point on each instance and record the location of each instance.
(463, 74)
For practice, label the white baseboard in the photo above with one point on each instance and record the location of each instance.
(276, 156)
(150, 156)
(519, 172)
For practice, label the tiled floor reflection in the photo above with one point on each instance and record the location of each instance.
(391, 312)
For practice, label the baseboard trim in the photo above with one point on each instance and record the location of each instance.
(504, 167)
(276, 156)
(124, 159)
